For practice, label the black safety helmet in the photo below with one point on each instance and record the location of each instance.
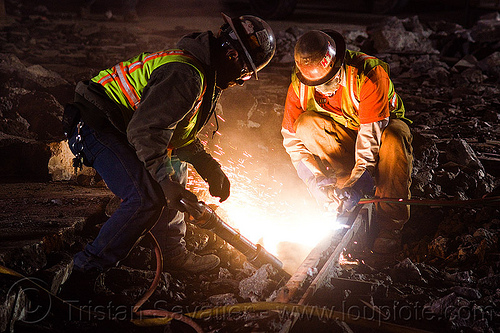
(252, 37)
(319, 56)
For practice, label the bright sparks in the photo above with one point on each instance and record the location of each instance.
(257, 209)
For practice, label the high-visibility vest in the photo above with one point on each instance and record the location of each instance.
(357, 66)
(124, 83)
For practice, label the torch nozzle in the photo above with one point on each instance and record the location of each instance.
(204, 217)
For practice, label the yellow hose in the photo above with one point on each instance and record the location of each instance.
(164, 317)
(307, 311)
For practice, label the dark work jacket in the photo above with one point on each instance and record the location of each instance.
(170, 95)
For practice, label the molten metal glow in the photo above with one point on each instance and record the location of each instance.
(256, 208)
(347, 260)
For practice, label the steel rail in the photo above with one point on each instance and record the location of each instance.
(332, 246)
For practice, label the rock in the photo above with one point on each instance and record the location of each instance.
(448, 306)
(489, 282)
(224, 273)
(406, 271)
(285, 43)
(14, 304)
(466, 292)
(487, 29)
(22, 158)
(14, 74)
(425, 151)
(464, 277)
(474, 75)
(28, 235)
(127, 281)
(459, 151)
(440, 74)
(466, 248)
(60, 164)
(405, 36)
(486, 235)
(259, 285)
(438, 247)
(467, 62)
(57, 274)
(223, 299)
(491, 65)
(43, 114)
(426, 161)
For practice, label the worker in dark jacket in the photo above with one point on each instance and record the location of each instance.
(137, 124)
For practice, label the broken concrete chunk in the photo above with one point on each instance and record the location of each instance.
(405, 36)
(465, 277)
(257, 286)
(439, 247)
(14, 304)
(466, 292)
(487, 29)
(491, 65)
(489, 282)
(406, 271)
(55, 275)
(459, 151)
(444, 306)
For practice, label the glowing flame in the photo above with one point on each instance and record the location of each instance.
(256, 208)
(343, 260)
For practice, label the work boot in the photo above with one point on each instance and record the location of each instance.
(80, 287)
(191, 262)
(387, 242)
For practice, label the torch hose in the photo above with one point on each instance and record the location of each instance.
(431, 202)
(306, 311)
(156, 280)
(163, 317)
(160, 313)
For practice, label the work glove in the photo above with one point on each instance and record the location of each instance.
(349, 196)
(322, 189)
(174, 192)
(217, 180)
(207, 167)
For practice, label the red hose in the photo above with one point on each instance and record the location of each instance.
(152, 288)
(430, 202)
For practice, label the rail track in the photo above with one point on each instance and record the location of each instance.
(322, 263)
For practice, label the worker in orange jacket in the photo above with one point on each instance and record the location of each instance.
(345, 131)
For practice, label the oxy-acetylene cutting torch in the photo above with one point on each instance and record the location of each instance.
(205, 217)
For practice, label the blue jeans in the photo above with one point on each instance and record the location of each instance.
(143, 202)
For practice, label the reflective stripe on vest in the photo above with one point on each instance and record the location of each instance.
(117, 80)
(394, 100)
(352, 78)
(125, 86)
(303, 96)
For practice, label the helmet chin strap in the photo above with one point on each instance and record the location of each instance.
(331, 87)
